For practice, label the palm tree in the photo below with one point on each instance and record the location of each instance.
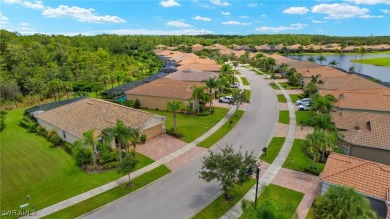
(89, 140)
(343, 202)
(105, 78)
(362, 50)
(120, 132)
(283, 68)
(311, 88)
(211, 84)
(225, 68)
(270, 63)
(323, 104)
(321, 58)
(198, 95)
(174, 107)
(314, 78)
(333, 63)
(311, 59)
(313, 144)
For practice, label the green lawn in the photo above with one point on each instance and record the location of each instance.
(214, 138)
(302, 116)
(295, 97)
(257, 72)
(284, 117)
(219, 206)
(273, 149)
(380, 61)
(244, 81)
(274, 86)
(31, 166)
(191, 125)
(110, 195)
(285, 201)
(286, 86)
(247, 95)
(282, 98)
(310, 214)
(298, 160)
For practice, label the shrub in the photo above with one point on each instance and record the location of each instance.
(49, 134)
(177, 134)
(129, 103)
(137, 103)
(143, 139)
(312, 171)
(110, 165)
(55, 139)
(81, 155)
(41, 131)
(108, 157)
(68, 147)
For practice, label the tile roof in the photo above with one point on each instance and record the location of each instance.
(85, 114)
(324, 71)
(365, 176)
(201, 67)
(192, 75)
(165, 87)
(350, 82)
(364, 128)
(196, 60)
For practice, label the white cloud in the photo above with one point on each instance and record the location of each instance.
(370, 2)
(80, 14)
(339, 11)
(225, 13)
(371, 16)
(297, 26)
(12, 1)
(244, 17)
(177, 24)
(3, 18)
(24, 24)
(296, 10)
(253, 5)
(385, 11)
(169, 3)
(318, 22)
(263, 15)
(157, 32)
(34, 5)
(199, 18)
(236, 23)
(220, 3)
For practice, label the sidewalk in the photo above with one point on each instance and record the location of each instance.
(274, 168)
(91, 193)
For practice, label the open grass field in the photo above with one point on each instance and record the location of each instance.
(214, 138)
(244, 81)
(380, 61)
(31, 166)
(284, 117)
(273, 149)
(298, 160)
(192, 126)
(219, 206)
(110, 195)
(284, 201)
(282, 98)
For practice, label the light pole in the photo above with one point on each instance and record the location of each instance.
(257, 183)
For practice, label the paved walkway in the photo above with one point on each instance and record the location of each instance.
(274, 168)
(91, 193)
(160, 146)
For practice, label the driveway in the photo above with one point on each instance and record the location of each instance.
(182, 193)
(160, 146)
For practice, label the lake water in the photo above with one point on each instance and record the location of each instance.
(378, 72)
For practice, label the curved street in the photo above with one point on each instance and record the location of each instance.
(182, 193)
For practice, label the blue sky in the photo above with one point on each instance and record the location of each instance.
(176, 17)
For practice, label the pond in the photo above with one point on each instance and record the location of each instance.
(344, 62)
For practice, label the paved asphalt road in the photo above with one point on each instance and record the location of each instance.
(182, 193)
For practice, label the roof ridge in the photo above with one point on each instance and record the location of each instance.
(119, 105)
(354, 118)
(347, 168)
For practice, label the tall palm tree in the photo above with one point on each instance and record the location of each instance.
(198, 95)
(225, 68)
(311, 59)
(120, 132)
(283, 68)
(174, 107)
(211, 84)
(333, 63)
(323, 104)
(135, 137)
(89, 140)
(270, 63)
(340, 202)
(313, 145)
(321, 58)
(311, 88)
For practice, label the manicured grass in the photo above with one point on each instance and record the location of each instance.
(381, 61)
(110, 195)
(257, 72)
(214, 138)
(286, 86)
(302, 116)
(282, 98)
(295, 97)
(244, 81)
(310, 214)
(219, 206)
(247, 95)
(284, 117)
(298, 160)
(192, 126)
(285, 201)
(273, 149)
(274, 86)
(31, 166)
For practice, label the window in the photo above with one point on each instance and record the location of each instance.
(64, 134)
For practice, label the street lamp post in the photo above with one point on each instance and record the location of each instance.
(257, 183)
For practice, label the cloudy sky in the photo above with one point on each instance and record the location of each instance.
(167, 17)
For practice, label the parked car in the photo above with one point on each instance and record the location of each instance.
(226, 99)
(304, 106)
(302, 101)
(236, 85)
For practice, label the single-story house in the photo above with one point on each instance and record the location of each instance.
(349, 82)
(156, 94)
(71, 120)
(368, 178)
(192, 75)
(364, 134)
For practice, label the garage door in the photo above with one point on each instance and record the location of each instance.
(153, 131)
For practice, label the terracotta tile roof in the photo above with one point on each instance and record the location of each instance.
(165, 87)
(85, 114)
(201, 67)
(192, 75)
(197, 47)
(348, 82)
(349, 120)
(365, 176)
(196, 60)
(324, 71)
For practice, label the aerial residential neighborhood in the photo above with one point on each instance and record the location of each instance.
(195, 109)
